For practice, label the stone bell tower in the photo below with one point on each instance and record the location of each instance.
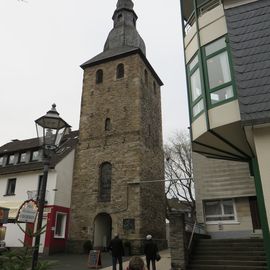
(120, 143)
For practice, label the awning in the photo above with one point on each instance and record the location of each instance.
(13, 206)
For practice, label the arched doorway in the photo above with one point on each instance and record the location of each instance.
(102, 230)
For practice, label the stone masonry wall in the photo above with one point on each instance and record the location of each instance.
(133, 146)
(177, 241)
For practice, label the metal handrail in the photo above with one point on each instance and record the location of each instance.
(195, 226)
(202, 9)
(192, 235)
(190, 21)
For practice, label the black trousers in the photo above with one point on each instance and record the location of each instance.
(148, 260)
(114, 261)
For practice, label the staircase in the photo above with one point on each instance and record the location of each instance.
(228, 254)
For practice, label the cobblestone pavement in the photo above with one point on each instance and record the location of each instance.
(79, 262)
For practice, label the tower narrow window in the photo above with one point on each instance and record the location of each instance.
(120, 16)
(99, 76)
(155, 88)
(146, 77)
(105, 182)
(108, 125)
(120, 71)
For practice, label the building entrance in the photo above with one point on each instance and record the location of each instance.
(255, 216)
(102, 231)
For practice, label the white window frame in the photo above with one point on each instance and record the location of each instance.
(20, 157)
(33, 158)
(63, 225)
(233, 221)
(11, 159)
(1, 161)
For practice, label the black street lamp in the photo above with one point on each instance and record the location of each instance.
(50, 130)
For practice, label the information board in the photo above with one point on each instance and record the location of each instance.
(94, 259)
(27, 212)
(129, 224)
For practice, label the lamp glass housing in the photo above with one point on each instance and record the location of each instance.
(50, 129)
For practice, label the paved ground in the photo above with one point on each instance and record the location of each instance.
(79, 262)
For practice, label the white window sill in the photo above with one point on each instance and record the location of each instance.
(222, 223)
(59, 237)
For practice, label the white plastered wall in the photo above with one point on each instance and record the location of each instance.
(64, 180)
(24, 182)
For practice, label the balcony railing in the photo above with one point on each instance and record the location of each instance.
(203, 7)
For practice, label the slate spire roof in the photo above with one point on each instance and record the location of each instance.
(124, 37)
(125, 4)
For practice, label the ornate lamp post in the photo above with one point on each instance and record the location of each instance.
(50, 130)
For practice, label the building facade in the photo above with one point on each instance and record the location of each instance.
(120, 143)
(227, 52)
(226, 200)
(21, 170)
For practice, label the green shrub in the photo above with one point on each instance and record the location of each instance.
(21, 259)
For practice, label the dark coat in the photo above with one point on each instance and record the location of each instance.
(150, 249)
(116, 246)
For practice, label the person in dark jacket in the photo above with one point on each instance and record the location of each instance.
(150, 251)
(116, 246)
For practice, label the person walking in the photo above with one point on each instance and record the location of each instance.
(136, 263)
(116, 246)
(150, 251)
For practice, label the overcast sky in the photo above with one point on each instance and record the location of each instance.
(43, 43)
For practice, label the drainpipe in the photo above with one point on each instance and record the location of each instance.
(261, 205)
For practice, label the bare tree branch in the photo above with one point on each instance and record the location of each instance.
(179, 169)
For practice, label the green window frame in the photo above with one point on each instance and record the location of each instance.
(217, 63)
(195, 87)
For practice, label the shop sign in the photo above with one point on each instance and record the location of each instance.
(28, 212)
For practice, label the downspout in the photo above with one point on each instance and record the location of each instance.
(261, 205)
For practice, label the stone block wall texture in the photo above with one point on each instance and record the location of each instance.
(133, 146)
(177, 241)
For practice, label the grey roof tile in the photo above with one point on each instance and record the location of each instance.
(109, 54)
(68, 144)
(249, 9)
(249, 38)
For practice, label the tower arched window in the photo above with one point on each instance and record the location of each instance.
(120, 71)
(99, 76)
(108, 125)
(146, 77)
(105, 182)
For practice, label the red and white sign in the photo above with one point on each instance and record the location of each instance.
(28, 212)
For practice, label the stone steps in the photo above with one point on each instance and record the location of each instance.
(224, 267)
(223, 254)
